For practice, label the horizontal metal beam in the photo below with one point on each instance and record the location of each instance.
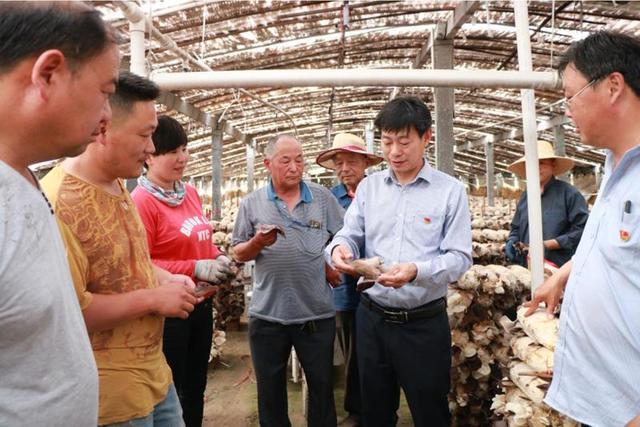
(511, 134)
(178, 104)
(357, 77)
(463, 11)
(134, 13)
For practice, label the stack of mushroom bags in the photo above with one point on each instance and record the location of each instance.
(490, 227)
(223, 229)
(528, 370)
(475, 305)
(500, 368)
(229, 301)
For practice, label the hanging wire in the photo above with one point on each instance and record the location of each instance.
(204, 23)
(236, 98)
(149, 55)
(486, 8)
(553, 30)
(245, 125)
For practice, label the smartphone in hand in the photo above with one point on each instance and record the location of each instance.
(205, 289)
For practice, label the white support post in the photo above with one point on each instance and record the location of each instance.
(137, 37)
(137, 64)
(536, 250)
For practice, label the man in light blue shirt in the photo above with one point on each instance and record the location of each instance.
(417, 220)
(596, 377)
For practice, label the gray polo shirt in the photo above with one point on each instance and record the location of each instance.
(290, 284)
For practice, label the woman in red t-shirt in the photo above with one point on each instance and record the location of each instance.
(179, 238)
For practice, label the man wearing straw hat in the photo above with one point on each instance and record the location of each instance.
(564, 211)
(348, 156)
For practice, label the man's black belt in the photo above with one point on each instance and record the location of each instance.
(396, 315)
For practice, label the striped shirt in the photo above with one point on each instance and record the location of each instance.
(596, 378)
(290, 284)
(425, 222)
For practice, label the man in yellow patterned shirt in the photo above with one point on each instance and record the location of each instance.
(123, 297)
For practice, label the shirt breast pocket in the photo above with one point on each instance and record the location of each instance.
(312, 240)
(623, 238)
(629, 233)
(426, 228)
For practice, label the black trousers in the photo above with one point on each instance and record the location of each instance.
(415, 356)
(346, 332)
(270, 348)
(187, 345)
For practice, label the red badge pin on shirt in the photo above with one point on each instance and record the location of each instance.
(426, 220)
(624, 235)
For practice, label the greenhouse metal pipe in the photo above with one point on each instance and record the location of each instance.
(134, 14)
(136, 35)
(530, 134)
(357, 77)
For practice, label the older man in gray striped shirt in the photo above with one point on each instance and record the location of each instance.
(292, 304)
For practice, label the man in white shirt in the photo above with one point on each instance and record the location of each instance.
(596, 377)
(58, 64)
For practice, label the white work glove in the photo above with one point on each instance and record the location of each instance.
(214, 271)
(227, 263)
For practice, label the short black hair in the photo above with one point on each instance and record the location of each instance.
(404, 112)
(29, 28)
(132, 88)
(603, 53)
(168, 136)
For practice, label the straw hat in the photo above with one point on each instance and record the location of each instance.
(545, 151)
(346, 143)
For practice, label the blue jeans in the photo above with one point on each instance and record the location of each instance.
(167, 413)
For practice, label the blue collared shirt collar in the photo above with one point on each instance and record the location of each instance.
(305, 192)
(424, 174)
(340, 191)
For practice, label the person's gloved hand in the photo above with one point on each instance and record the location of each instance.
(227, 262)
(510, 251)
(214, 271)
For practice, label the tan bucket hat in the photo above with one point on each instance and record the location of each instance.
(347, 143)
(545, 151)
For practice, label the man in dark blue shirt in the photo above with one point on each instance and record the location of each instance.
(349, 158)
(564, 211)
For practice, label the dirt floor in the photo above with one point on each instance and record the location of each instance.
(231, 396)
